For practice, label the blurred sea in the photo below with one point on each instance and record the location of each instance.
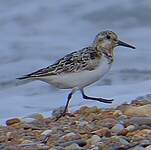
(35, 33)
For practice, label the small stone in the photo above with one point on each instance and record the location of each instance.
(148, 147)
(79, 142)
(2, 147)
(137, 148)
(140, 111)
(145, 143)
(86, 111)
(34, 146)
(28, 120)
(94, 139)
(73, 146)
(26, 142)
(96, 148)
(70, 136)
(12, 121)
(108, 122)
(102, 132)
(147, 131)
(130, 128)
(9, 136)
(123, 132)
(83, 123)
(117, 128)
(140, 134)
(42, 147)
(46, 132)
(35, 116)
(144, 127)
(30, 126)
(114, 143)
(117, 113)
(53, 148)
(139, 121)
(2, 138)
(120, 139)
(123, 141)
(122, 118)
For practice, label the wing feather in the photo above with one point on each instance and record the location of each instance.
(85, 59)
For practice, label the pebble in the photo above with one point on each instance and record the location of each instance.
(117, 113)
(34, 146)
(140, 111)
(94, 139)
(108, 122)
(42, 147)
(73, 146)
(53, 148)
(36, 116)
(147, 131)
(2, 146)
(83, 123)
(2, 138)
(140, 134)
(114, 143)
(46, 132)
(145, 142)
(27, 120)
(79, 142)
(148, 147)
(120, 139)
(130, 128)
(30, 126)
(69, 137)
(26, 142)
(12, 121)
(122, 118)
(102, 132)
(137, 148)
(117, 128)
(139, 121)
(9, 135)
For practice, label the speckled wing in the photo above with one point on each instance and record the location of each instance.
(85, 59)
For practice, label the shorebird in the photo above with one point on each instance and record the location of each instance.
(80, 69)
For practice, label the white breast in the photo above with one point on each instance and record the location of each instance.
(80, 79)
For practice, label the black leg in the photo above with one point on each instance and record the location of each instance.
(103, 100)
(66, 107)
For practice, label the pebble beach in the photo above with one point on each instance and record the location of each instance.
(126, 127)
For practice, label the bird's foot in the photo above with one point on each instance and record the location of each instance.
(105, 100)
(102, 100)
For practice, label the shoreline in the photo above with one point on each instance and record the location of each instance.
(125, 127)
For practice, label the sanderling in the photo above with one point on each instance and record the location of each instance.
(81, 68)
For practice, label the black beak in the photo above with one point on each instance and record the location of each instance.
(120, 43)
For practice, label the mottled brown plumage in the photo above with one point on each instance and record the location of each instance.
(86, 59)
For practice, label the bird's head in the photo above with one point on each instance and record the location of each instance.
(107, 41)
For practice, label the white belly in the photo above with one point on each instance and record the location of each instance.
(80, 79)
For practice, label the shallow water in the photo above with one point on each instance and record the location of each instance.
(35, 33)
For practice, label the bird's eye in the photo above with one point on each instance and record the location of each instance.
(108, 37)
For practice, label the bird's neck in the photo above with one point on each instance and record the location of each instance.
(107, 53)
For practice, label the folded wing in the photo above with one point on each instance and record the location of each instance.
(85, 59)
